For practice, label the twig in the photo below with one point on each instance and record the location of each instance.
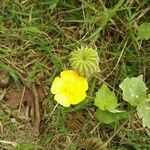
(117, 61)
(9, 142)
(116, 132)
(36, 122)
(94, 128)
(52, 112)
(2, 94)
(103, 81)
(1, 128)
(23, 92)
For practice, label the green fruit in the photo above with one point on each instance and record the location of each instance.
(85, 60)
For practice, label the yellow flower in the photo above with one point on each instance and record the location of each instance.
(69, 88)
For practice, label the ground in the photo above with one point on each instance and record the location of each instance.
(36, 38)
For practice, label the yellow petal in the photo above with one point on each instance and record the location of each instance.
(58, 85)
(70, 88)
(81, 83)
(78, 97)
(63, 99)
(69, 76)
(74, 80)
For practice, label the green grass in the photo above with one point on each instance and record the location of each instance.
(36, 38)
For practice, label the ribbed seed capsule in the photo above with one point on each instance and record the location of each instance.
(85, 60)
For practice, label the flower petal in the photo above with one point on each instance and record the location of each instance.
(63, 99)
(70, 88)
(74, 80)
(69, 76)
(78, 97)
(82, 83)
(58, 85)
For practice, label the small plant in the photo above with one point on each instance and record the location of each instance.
(134, 92)
(70, 89)
(106, 101)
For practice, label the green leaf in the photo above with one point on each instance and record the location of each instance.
(134, 90)
(105, 99)
(143, 111)
(144, 31)
(109, 117)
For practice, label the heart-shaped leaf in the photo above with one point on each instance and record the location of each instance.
(143, 111)
(134, 90)
(105, 99)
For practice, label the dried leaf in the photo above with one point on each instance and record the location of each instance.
(14, 96)
(41, 91)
